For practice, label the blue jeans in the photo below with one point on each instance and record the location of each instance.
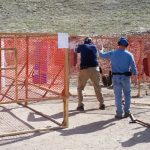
(121, 83)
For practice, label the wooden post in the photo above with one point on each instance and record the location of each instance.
(148, 57)
(16, 69)
(30, 131)
(139, 67)
(27, 68)
(65, 122)
(0, 69)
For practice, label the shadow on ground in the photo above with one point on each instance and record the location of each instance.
(35, 117)
(88, 128)
(139, 137)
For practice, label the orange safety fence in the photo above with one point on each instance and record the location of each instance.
(139, 45)
(40, 67)
(32, 67)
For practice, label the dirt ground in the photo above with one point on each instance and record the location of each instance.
(92, 129)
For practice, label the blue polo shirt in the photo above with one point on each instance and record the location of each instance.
(121, 61)
(88, 54)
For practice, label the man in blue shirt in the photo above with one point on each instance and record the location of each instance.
(123, 65)
(89, 69)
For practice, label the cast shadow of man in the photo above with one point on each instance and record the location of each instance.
(88, 128)
(140, 137)
(33, 117)
(84, 129)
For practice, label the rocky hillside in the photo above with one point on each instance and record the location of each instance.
(75, 16)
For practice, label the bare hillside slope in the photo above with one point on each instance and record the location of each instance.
(75, 16)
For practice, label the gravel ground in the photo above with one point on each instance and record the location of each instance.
(92, 129)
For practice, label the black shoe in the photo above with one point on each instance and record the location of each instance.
(118, 116)
(127, 114)
(80, 108)
(102, 107)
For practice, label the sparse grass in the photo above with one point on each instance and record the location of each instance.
(75, 16)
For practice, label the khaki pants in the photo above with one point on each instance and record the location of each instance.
(93, 74)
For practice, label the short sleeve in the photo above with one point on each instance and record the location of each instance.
(78, 49)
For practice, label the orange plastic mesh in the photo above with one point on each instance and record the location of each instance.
(40, 64)
(139, 45)
(40, 67)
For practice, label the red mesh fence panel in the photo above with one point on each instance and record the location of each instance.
(7, 80)
(40, 64)
(40, 67)
(138, 45)
(46, 65)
